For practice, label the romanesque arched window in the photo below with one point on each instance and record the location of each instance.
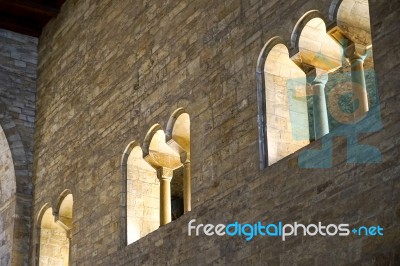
(157, 177)
(142, 195)
(285, 107)
(53, 241)
(167, 162)
(178, 138)
(318, 84)
(55, 232)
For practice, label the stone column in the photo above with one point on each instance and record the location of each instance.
(356, 55)
(165, 177)
(317, 80)
(187, 190)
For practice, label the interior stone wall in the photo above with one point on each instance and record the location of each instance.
(109, 70)
(18, 60)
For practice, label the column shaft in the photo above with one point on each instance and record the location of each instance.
(321, 125)
(317, 80)
(187, 190)
(356, 56)
(165, 177)
(359, 86)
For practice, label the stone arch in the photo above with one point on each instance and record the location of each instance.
(157, 152)
(21, 192)
(23, 181)
(61, 197)
(282, 101)
(141, 195)
(178, 130)
(7, 200)
(299, 27)
(178, 137)
(261, 104)
(53, 243)
(64, 210)
(333, 10)
(316, 49)
(353, 32)
(168, 164)
(353, 19)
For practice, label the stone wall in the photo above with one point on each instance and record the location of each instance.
(109, 70)
(18, 59)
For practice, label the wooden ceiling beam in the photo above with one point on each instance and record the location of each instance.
(20, 25)
(32, 6)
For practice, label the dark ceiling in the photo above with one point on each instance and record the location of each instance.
(28, 16)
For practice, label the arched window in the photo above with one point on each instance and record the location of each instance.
(318, 56)
(333, 70)
(167, 162)
(178, 138)
(157, 178)
(353, 33)
(64, 214)
(142, 195)
(53, 240)
(285, 107)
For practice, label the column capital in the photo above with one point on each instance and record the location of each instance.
(185, 157)
(164, 173)
(355, 51)
(316, 76)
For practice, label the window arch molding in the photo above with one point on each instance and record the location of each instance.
(38, 222)
(177, 135)
(58, 220)
(261, 96)
(124, 194)
(135, 170)
(333, 11)
(298, 29)
(148, 138)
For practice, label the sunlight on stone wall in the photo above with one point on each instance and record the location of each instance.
(287, 122)
(54, 244)
(143, 197)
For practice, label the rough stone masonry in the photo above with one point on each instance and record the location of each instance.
(109, 70)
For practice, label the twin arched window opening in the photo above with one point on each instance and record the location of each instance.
(55, 232)
(294, 108)
(157, 175)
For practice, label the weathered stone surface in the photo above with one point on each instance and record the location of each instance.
(18, 60)
(109, 70)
